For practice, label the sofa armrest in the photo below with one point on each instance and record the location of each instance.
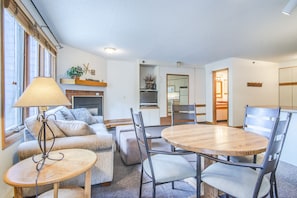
(94, 142)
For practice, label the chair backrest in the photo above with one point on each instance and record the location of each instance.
(276, 142)
(274, 149)
(141, 137)
(183, 114)
(260, 120)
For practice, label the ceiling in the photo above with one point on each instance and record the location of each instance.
(192, 31)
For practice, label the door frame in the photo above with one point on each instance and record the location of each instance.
(214, 94)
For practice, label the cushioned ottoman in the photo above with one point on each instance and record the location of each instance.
(122, 129)
(128, 148)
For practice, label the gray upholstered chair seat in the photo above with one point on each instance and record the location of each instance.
(234, 180)
(169, 168)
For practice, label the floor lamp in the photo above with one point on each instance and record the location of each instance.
(43, 92)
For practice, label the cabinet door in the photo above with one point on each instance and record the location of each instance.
(285, 75)
(286, 96)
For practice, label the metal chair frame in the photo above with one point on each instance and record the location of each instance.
(271, 157)
(146, 151)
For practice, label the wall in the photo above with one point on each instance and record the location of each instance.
(122, 89)
(68, 57)
(242, 71)
(123, 80)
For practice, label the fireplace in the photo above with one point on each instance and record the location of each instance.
(93, 103)
(92, 100)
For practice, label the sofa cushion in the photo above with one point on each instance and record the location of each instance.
(34, 125)
(67, 114)
(83, 114)
(95, 142)
(55, 113)
(99, 128)
(74, 127)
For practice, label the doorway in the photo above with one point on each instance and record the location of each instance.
(177, 90)
(220, 96)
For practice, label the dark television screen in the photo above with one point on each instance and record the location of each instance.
(148, 98)
(93, 103)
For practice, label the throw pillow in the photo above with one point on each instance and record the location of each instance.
(54, 113)
(74, 127)
(67, 114)
(83, 114)
(34, 125)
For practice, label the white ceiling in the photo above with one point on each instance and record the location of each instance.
(192, 31)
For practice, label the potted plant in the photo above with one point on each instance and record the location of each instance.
(75, 72)
(150, 81)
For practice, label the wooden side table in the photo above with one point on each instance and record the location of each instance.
(74, 163)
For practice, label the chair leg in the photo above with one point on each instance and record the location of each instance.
(141, 180)
(255, 159)
(154, 190)
(198, 176)
(275, 189)
(273, 186)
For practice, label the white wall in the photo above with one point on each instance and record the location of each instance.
(242, 71)
(122, 89)
(68, 57)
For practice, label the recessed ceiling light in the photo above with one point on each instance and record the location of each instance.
(110, 50)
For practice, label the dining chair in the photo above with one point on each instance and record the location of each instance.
(160, 166)
(244, 180)
(183, 114)
(259, 120)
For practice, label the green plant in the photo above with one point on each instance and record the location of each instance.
(75, 71)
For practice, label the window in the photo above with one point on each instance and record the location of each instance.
(24, 57)
(32, 68)
(13, 70)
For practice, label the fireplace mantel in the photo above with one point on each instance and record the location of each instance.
(82, 82)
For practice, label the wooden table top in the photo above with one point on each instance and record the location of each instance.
(215, 140)
(74, 163)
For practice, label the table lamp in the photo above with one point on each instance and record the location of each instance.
(43, 92)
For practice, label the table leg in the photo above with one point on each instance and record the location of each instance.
(18, 193)
(88, 184)
(56, 189)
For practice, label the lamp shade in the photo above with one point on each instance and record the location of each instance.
(42, 92)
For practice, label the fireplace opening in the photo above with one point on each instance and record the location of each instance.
(93, 103)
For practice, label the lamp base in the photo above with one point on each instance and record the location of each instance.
(43, 144)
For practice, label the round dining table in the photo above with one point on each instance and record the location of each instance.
(214, 140)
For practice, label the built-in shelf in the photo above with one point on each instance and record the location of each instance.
(82, 82)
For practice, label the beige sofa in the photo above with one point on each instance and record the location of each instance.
(73, 128)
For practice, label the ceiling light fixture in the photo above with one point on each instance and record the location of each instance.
(291, 5)
(110, 50)
(178, 63)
